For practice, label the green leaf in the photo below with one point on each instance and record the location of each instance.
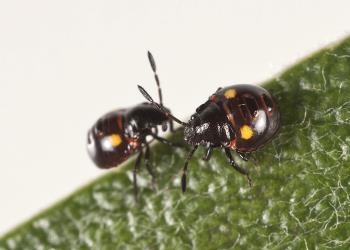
(299, 199)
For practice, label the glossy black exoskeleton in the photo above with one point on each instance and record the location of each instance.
(240, 117)
(119, 134)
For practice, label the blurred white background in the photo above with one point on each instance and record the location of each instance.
(65, 63)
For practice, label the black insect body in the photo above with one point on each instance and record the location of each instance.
(241, 117)
(119, 134)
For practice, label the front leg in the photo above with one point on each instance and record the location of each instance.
(236, 167)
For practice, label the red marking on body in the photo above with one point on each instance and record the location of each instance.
(120, 122)
(134, 143)
(213, 98)
(232, 144)
(229, 115)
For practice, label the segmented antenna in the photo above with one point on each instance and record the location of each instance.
(154, 69)
(160, 107)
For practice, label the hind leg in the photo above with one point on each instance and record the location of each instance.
(236, 167)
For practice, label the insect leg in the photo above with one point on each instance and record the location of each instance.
(136, 169)
(148, 165)
(235, 166)
(244, 156)
(248, 157)
(207, 155)
(184, 171)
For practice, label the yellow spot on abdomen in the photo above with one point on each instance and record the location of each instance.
(246, 132)
(230, 93)
(115, 140)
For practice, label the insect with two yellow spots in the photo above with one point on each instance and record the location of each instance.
(241, 117)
